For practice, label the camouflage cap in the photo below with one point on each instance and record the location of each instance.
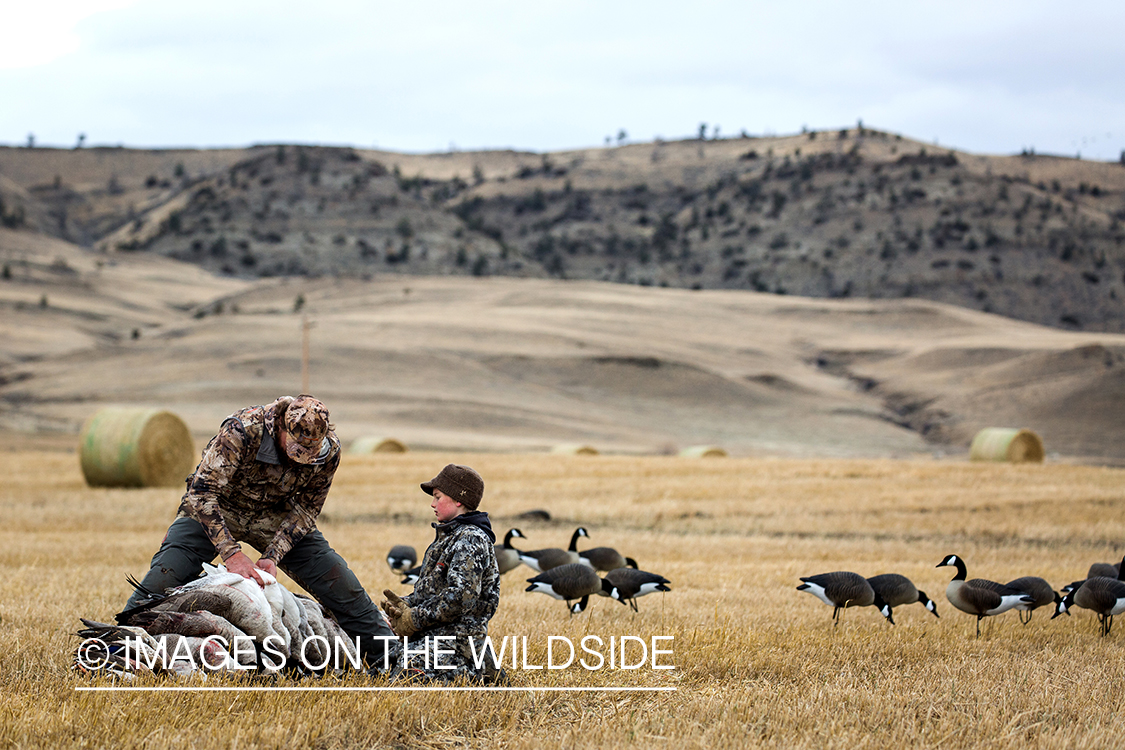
(461, 483)
(306, 422)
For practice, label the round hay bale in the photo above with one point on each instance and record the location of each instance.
(377, 444)
(1007, 444)
(574, 449)
(703, 451)
(135, 447)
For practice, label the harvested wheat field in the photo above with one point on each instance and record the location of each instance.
(756, 661)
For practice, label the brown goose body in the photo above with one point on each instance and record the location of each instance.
(897, 590)
(507, 556)
(401, 558)
(542, 560)
(1104, 570)
(569, 582)
(632, 584)
(978, 596)
(841, 589)
(1039, 590)
(1104, 595)
(602, 558)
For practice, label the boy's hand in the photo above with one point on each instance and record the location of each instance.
(393, 604)
(403, 625)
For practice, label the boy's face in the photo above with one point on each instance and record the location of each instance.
(444, 507)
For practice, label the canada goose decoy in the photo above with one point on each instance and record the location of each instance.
(1037, 589)
(1105, 570)
(1103, 595)
(410, 577)
(841, 589)
(632, 584)
(978, 596)
(507, 556)
(897, 589)
(542, 560)
(569, 582)
(603, 558)
(402, 558)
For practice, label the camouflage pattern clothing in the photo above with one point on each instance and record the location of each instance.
(457, 593)
(243, 490)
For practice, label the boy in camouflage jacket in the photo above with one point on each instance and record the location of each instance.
(457, 591)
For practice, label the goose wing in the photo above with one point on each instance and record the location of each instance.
(992, 598)
(895, 589)
(840, 588)
(1035, 587)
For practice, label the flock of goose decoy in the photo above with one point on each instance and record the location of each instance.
(1102, 590)
(568, 574)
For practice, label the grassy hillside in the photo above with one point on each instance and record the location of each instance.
(850, 213)
(527, 364)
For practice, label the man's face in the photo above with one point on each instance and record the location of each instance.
(444, 507)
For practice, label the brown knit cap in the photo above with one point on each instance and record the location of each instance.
(461, 483)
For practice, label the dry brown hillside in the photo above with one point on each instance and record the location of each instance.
(525, 364)
(841, 214)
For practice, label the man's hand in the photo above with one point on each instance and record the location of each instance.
(267, 565)
(241, 564)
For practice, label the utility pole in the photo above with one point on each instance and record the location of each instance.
(305, 353)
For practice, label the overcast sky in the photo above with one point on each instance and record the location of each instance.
(987, 77)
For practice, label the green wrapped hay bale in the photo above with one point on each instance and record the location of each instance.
(1007, 444)
(370, 444)
(135, 447)
(703, 451)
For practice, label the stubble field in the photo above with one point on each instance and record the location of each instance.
(757, 663)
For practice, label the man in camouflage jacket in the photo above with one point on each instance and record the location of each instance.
(458, 589)
(263, 480)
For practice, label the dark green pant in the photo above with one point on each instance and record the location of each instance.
(314, 565)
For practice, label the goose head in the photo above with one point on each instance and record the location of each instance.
(1062, 607)
(884, 608)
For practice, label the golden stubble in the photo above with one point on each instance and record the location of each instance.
(757, 662)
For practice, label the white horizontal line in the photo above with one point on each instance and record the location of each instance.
(310, 689)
